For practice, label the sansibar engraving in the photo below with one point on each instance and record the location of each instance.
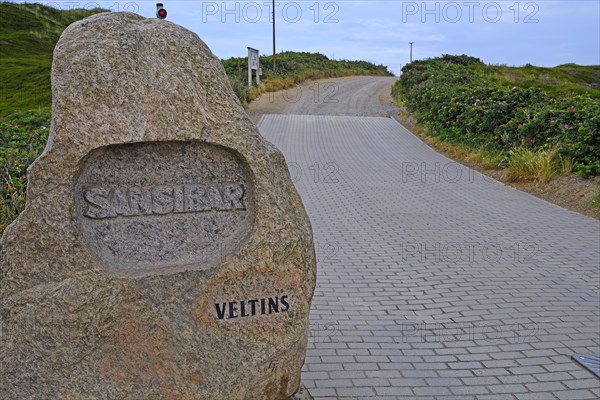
(109, 203)
(150, 207)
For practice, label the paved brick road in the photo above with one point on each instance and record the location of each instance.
(435, 282)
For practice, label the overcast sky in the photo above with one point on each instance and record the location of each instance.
(546, 32)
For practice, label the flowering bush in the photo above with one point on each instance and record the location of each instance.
(457, 103)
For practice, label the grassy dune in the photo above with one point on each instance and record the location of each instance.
(28, 34)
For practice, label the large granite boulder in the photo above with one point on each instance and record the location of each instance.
(164, 252)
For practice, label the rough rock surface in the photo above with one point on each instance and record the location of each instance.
(164, 252)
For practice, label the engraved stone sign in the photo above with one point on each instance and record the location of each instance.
(152, 207)
(163, 252)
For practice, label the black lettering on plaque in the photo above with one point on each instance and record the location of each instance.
(273, 305)
(221, 310)
(263, 306)
(284, 302)
(243, 309)
(253, 304)
(268, 306)
(232, 309)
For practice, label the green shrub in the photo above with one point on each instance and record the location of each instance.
(457, 102)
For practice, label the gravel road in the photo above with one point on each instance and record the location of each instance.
(356, 96)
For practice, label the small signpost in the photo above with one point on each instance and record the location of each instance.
(253, 64)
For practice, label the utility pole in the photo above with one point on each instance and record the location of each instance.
(411, 43)
(274, 36)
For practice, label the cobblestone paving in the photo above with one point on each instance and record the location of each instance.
(434, 281)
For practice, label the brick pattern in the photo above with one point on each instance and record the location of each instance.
(435, 282)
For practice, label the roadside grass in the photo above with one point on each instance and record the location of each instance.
(484, 158)
(521, 164)
(23, 136)
(595, 201)
(550, 178)
(487, 158)
(541, 165)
